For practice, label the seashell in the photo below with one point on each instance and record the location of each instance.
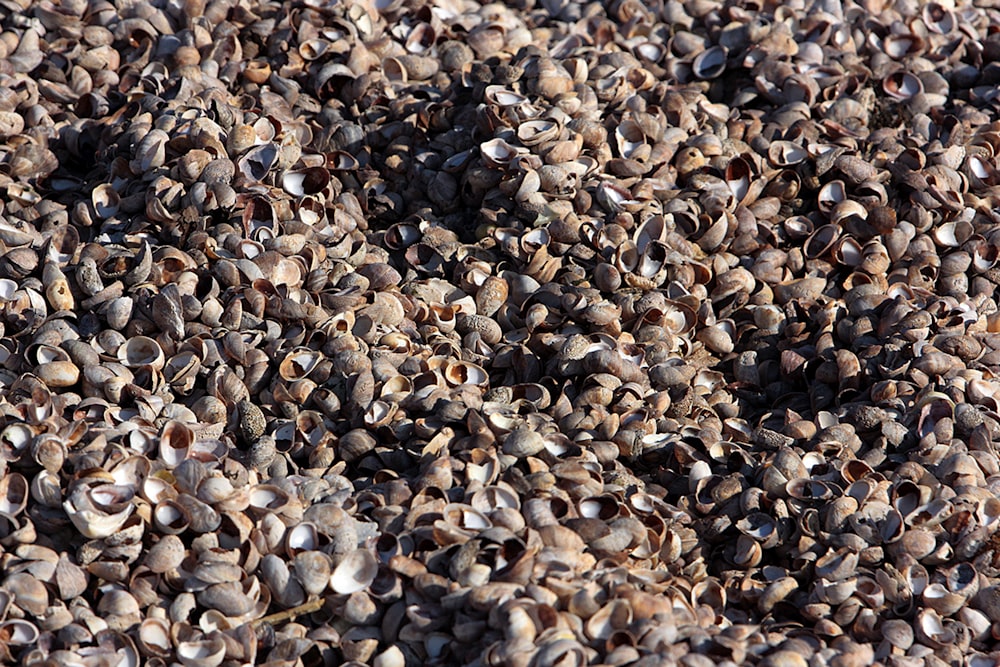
(267, 498)
(488, 329)
(710, 63)
(18, 263)
(99, 511)
(870, 592)
(118, 312)
(175, 443)
(165, 555)
(535, 132)
(808, 489)
(718, 338)
(411, 67)
(802, 289)
(565, 652)
(938, 18)
(312, 49)
(151, 152)
(976, 621)
(491, 295)
(497, 153)
(776, 592)
(988, 602)
(202, 653)
(308, 181)
(898, 633)
(228, 598)
(57, 288)
(931, 631)
(30, 593)
(303, 537)
(902, 85)
(58, 374)
(421, 38)
(401, 236)
(759, 527)
(19, 632)
(963, 579)
(204, 519)
(900, 45)
(522, 243)
(835, 592)
(748, 552)
(141, 351)
(523, 442)
(252, 423)
(258, 161)
(299, 363)
(941, 600)
(785, 153)
(341, 161)
(354, 573)
(952, 234)
(312, 569)
(170, 517)
(13, 494)
(462, 373)
(836, 565)
(285, 589)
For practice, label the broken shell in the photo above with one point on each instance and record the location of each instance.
(99, 511)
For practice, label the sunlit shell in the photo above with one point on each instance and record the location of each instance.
(354, 573)
(141, 351)
(497, 152)
(464, 373)
(202, 653)
(101, 511)
(902, 85)
(13, 494)
(19, 632)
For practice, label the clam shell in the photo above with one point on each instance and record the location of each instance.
(165, 555)
(535, 132)
(497, 153)
(154, 637)
(100, 511)
(58, 374)
(258, 161)
(13, 494)
(202, 653)
(18, 632)
(312, 570)
(463, 373)
(710, 63)
(786, 153)
(170, 517)
(354, 573)
(299, 363)
(140, 351)
(523, 442)
(902, 85)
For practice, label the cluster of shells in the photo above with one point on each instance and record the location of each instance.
(540, 334)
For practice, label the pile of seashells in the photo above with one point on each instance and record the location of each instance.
(539, 334)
